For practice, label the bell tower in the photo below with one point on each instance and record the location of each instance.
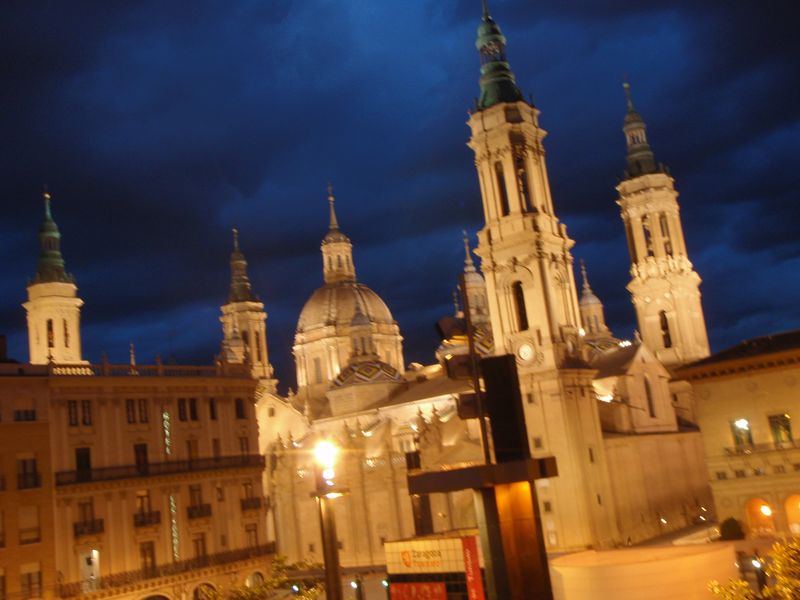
(53, 307)
(664, 286)
(533, 302)
(244, 321)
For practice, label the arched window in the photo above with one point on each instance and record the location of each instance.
(648, 392)
(258, 347)
(631, 241)
(51, 340)
(519, 306)
(501, 187)
(662, 220)
(339, 261)
(66, 334)
(648, 235)
(665, 333)
(522, 180)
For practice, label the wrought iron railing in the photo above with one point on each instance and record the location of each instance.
(198, 511)
(253, 503)
(117, 580)
(91, 527)
(745, 449)
(160, 468)
(143, 519)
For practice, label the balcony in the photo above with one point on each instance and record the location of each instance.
(91, 527)
(26, 481)
(251, 503)
(198, 511)
(145, 519)
(131, 578)
(161, 468)
(744, 450)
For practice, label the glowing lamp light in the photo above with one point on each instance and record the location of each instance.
(605, 397)
(663, 521)
(295, 588)
(325, 452)
(756, 563)
(385, 583)
(766, 510)
(625, 343)
(581, 332)
(742, 424)
(354, 585)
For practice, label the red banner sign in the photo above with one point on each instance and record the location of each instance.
(472, 568)
(418, 591)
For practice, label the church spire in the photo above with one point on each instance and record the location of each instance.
(587, 295)
(469, 266)
(497, 81)
(641, 160)
(337, 250)
(334, 223)
(240, 283)
(50, 266)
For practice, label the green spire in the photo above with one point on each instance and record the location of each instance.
(641, 160)
(50, 266)
(497, 82)
(240, 282)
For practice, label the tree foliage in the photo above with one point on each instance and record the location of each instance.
(783, 572)
(276, 585)
(731, 529)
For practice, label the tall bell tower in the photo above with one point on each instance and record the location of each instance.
(244, 321)
(533, 301)
(664, 286)
(53, 307)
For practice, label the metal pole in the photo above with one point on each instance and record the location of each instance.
(330, 549)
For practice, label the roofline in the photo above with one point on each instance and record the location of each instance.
(717, 369)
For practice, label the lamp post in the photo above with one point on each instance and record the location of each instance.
(326, 491)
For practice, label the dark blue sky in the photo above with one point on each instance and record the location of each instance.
(159, 126)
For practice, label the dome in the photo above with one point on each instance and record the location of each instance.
(336, 304)
(335, 235)
(589, 298)
(370, 371)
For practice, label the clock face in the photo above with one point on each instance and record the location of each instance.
(525, 352)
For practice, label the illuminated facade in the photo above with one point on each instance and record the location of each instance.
(746, 402)
(126, 481)
(664, 286)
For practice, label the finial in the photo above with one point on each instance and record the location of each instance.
(456, 303)
(468, 264)
(486, 10)
(46, 196)
(627, 87)
(331, 199)
(235, 239)
(586, 286)
(133, 355)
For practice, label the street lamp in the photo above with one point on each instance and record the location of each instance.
(326, 490)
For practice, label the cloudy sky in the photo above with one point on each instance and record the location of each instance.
(159, 126)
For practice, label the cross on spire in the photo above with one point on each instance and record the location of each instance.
(334, 224)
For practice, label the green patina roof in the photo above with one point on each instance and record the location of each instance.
(497, 81)
(50, 265)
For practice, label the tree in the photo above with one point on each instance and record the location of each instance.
(731, 529)
(783, 568)
(277, 585)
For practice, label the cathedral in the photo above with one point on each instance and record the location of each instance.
(619, 422)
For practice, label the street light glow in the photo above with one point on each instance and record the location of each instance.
(325, 452)
(742, 424)
(766, 510)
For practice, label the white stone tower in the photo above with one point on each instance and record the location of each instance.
(244, 321)
(664, 286)
(53, 307)
(533, 303)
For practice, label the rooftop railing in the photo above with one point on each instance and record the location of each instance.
(745, 449)
(105, 369)
(127, 578)
(160, 468)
